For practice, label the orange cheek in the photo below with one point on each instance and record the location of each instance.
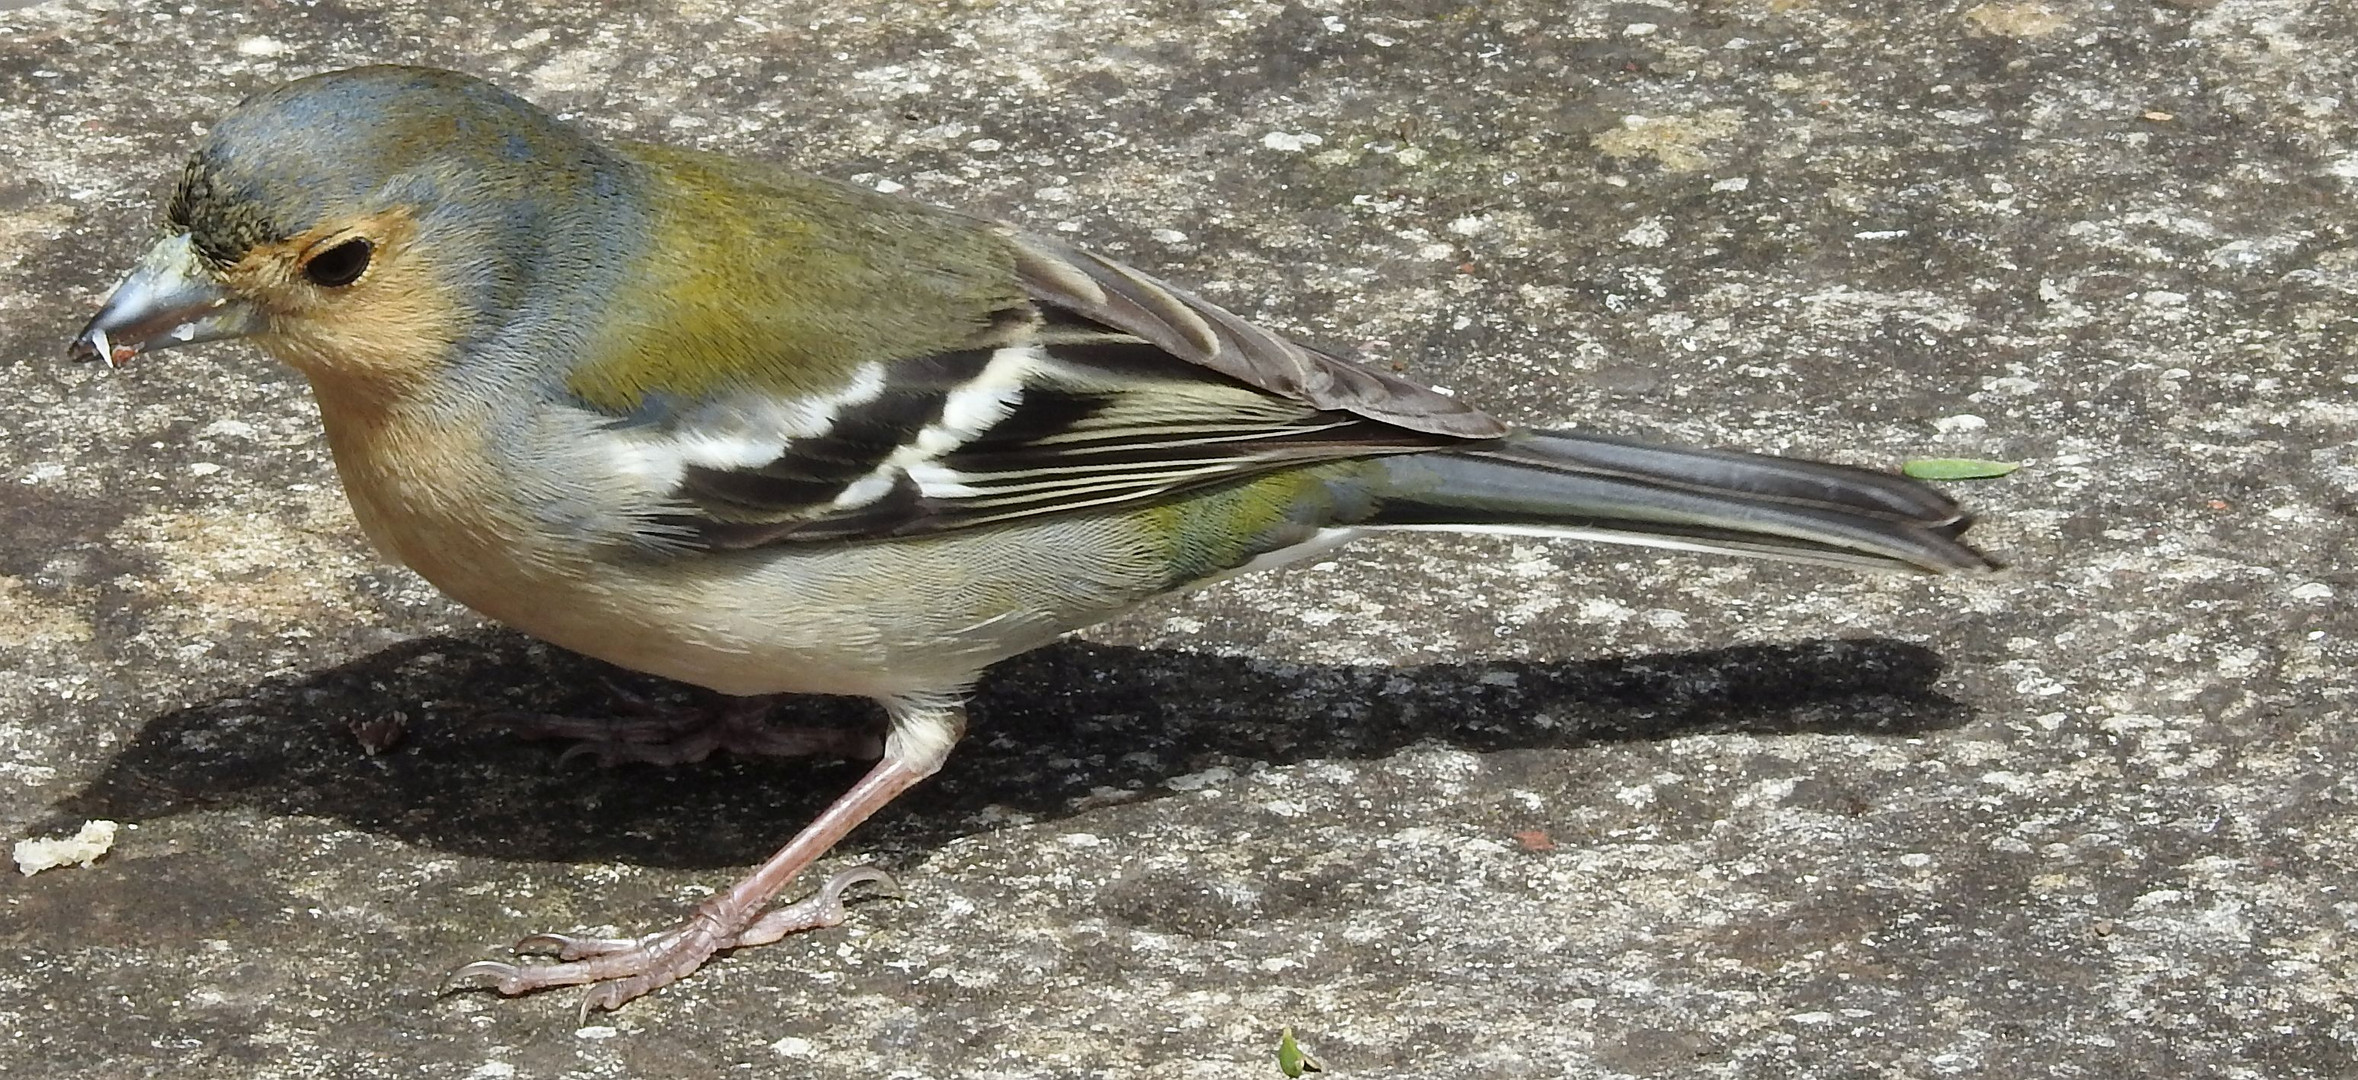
(374, 338)
(394, 328)
(380, 335)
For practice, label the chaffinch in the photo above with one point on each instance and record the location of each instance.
(768, 433)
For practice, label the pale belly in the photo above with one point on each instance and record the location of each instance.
(879, 620)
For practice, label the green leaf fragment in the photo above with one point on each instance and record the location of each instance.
(1290, 1058)
(1941, 468)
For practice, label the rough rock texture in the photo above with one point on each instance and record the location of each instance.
(1449, 807)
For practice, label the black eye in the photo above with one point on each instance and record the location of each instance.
(340, 265)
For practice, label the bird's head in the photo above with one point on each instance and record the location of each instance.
(368, 222)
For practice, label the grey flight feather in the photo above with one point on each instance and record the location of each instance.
(1059, 275)
(1601, 488)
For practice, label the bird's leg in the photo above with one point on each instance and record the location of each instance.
(659, 733)
(619, 969)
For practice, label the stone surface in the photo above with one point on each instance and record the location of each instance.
(1449, 807)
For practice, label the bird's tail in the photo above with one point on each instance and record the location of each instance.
(1561, 483)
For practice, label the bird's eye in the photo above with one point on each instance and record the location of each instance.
(340, 265)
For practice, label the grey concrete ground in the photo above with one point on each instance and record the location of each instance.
(1449, 807)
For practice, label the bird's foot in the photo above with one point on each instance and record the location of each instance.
(619, 969)
(662, 733)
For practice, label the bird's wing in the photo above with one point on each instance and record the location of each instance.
(1087, 295)
(1122, 390)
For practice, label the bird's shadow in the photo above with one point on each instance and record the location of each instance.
(1050, 728)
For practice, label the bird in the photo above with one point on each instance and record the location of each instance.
(727, 423)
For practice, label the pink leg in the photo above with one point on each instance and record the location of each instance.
(619, 969)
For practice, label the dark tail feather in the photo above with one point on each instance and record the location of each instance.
(1564, 483)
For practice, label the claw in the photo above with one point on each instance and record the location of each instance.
(498, 973)
(836, 886)
(540, 945)
(584, 749)
(603, 997)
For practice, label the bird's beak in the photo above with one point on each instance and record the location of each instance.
(169, 299)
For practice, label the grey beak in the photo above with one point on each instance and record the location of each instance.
(169, 299)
